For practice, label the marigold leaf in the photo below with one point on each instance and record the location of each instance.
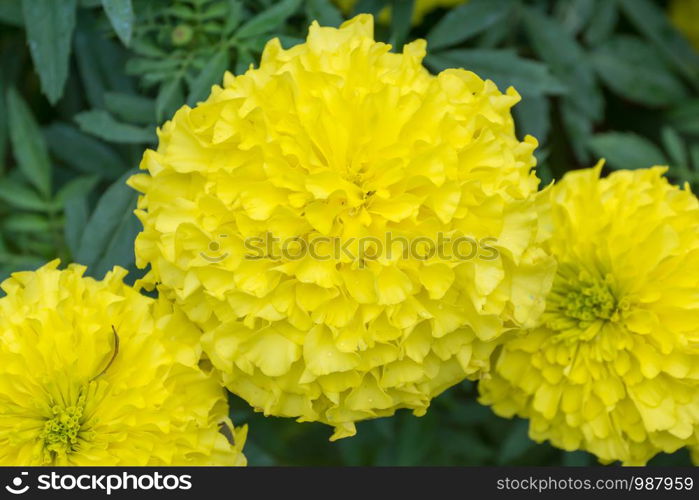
(101, 124)
(28, 145)
(504, 67)
(634, 70)
(626, 150)
(269, 19)
(83, 152)
(49, 26)
(120, 14)
(467, 20)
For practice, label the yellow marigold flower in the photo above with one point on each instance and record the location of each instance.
(94, 373)
(614, 368)
(684, 14)
(338, 139)
(420, 8)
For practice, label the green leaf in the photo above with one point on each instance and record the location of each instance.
(650, 20)
(685, 117)
(130, 107)
(516, 443)
(106, 224)
(567, 60)
(27, 223)
(503, 66)
(101, 124)
(3, 125)
(234, 16)
(83, 152)
(574, 14)
(169, 99)
(324, 12)
(20, 196)
(674, 146)
(401, 18)
(49, 26)
(76, 188)
(604, 19)
(466, 21)
(578, 459)
(625, 150)
(76, 216)
(211, 74)
(579, 129)
(120, 14)
(88, 66)
(244, 60)
(28, 145)
(634, 70)
(268, 20)
(11, 13)
(533, 118)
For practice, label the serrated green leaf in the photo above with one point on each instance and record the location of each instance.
(90, 75)
(516, 443)
(83, 152)
(567, 61)
(533, 118)
(401, 19)
(634, 70)
(211, 74)
(20, 196)
(28, 145)
(120, 14)
(579, 127)
(674, 146)
(131, 108)
(503, 66)
(76, 188)
(574, 15)
(113, 208)
(650, 20)
(27, 223)
(169, 99)
(11, 13)
(268, 20)
(604, 19)
(369, 7)
(234, 16)
(244, 61)
(76, 216)
(465, 21)
(626, 150)
(685, 117)
(3, 125)
(49, 26)
(101, 124)
(324, 12)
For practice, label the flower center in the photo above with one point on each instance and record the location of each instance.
(578, 301)
(60, 432)
(591, 301)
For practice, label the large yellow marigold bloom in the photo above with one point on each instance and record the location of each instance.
(684, 14)
(94, 373)
(340, 138)
(614, 369)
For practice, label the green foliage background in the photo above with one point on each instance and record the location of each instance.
(85, 83)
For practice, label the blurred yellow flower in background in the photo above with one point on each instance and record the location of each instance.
(684, 14)
(614, 369)
(94, 373)
(338, 138)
